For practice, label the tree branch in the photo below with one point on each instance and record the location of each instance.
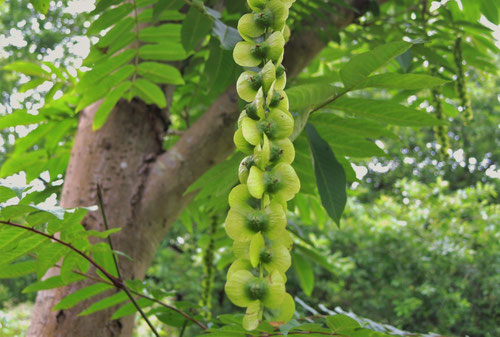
(116, 282)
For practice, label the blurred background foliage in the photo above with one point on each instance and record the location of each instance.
(419, 244)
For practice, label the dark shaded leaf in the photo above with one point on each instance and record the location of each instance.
(330, 175)
(194, 28)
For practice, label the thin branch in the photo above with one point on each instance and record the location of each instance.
(311, 317)
(90, 277)
(118, 283)
(183, 328)
(333, 99)
(101, 207)
(171, 307)
(185, 115)
(115, 260)
(175, 132)
(127, 291)
(303, 333)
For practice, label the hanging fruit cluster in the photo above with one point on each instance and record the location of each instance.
(461, 89)
(440, 131)
(257, 220)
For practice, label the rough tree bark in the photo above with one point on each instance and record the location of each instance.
(143, 187)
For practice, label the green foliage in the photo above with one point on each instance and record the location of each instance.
(108, 104)
(423, 262)
(28, 232)
(304, 272)
(357, 70)
(330, 175)
(385, 112)
(194, 28)
(15, 320)
(81, 295)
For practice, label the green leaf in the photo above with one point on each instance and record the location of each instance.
(350, 141)
(61, 129)
(27, 68)
(220, 68)
(105, 303)
(81, 295)
(171, 317)
(303, 165)
(405, 60)
(360, 66)
(108, 104)
(150, 92)
(158, 34)
(9, 234)
(194, 28)
(100, 90)
(116, 32)
(48, 256)
(104, 257)
(165, 51)
(218, 181)
(122, 43)
(162, 6)
(160, 73)
(433, 57)
(328, 122)
(227, 35)
(21, 248)
(32, 84)
(17, 269)
(110, 17)
(103, 235)
(304, 98)
(41, 6)
(57, 71)
(16, 211)
(385, 112)
(103, 69)
(51, 283)
(73, 262)
(6, 194)
(102, 5)
(171, 15)
(330, 175)
(33, 138)
(52, 220)
(317, 257)
(341, 322)
(304, 272)
(401, 81)
(33, 163)
(490, 10)
(349, 145)
(129, 308)
(49, 96)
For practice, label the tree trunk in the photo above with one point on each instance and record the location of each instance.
(117, 157)
(143, 188)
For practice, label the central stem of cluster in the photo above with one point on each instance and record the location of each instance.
(257, 217)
